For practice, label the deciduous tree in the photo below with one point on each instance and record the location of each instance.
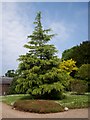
(79, 53)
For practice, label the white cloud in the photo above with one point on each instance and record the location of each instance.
(64, 31)
(0, 38)
(17, 24)
(14, 36)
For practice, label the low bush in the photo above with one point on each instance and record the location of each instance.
(84, 74)
(38, 106)
(79, 86)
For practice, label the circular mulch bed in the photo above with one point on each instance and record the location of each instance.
(38, 106)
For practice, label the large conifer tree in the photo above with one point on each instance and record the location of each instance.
(37, 72)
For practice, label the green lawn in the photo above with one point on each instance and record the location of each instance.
(71, 101)
(12, 98)
(75, 101)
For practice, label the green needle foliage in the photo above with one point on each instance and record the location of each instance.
(37, 72)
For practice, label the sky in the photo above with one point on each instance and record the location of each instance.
(69, 20)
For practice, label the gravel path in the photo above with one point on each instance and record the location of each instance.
(8, 112)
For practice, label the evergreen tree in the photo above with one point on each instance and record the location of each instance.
(37, 72)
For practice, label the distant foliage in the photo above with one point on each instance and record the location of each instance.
(68, 66)
(80, 53)
(10, 73)
(79, 86)
(12, 87)
(84, 72)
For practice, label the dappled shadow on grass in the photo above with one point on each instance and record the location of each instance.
(27, 97)
(42, 97)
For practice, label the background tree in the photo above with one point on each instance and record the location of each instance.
(13, 74)
(10, 73)
(13, 86)
(37, 72)
(84, 72)
(80, 53)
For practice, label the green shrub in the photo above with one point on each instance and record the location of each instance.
(38, 106)
(84, 72)
(68, 66)
(79, 86)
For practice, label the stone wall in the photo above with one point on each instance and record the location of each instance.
(4, 84)
(0, 89)
(4, 89)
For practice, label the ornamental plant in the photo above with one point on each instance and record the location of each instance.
(37, 72)
(68, 66)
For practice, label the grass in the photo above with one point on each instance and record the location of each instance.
(71, 101)
(75, 101)
(9, 99)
